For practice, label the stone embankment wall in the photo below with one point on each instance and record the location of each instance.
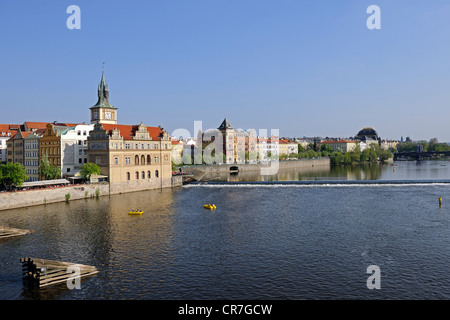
(34, 197)
(26, 198)
(287, 164)
(142, 185)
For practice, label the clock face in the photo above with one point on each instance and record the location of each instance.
(108, 115)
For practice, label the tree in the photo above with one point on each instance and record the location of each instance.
(88, 169)
(336, 158)
(300, 148)
(47, 171)
(385, 155)
(326, 148)
(12, 174)
(347, 158)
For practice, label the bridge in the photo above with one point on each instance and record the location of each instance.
(421, 155)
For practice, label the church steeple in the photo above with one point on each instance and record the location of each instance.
(103, 111)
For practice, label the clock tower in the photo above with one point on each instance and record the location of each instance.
(103, 111)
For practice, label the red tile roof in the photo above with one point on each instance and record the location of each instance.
(35, 125)
(7, 128)
(128, 131)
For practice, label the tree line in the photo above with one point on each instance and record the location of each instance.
(429, 146)
(14, 174)
(373, 153)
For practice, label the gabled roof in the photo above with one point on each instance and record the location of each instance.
(7, 128)
(128, 131)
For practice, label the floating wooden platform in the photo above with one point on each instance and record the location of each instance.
(6, 232)
(42, 272)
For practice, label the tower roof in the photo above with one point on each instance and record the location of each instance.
(103, 93)
(225, 125)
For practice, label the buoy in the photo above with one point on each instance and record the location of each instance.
(440, 201)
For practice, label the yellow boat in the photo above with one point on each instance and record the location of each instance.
(136, 212)
(209, 206)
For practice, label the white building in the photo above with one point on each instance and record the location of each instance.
(74, 148)
(6, 132)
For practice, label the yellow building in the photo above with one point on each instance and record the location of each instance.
(341, 145)
(133, 157)
(50, 143)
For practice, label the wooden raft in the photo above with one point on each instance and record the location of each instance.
(6, 232)
(42, 272)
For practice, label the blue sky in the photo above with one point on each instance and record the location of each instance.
(307, 68)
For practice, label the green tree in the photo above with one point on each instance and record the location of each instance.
(300, 148)
(336, 158)
(47, 171)
(88, 169)
(326, 148)
(385, 155)
(347, 158)
(12, 174)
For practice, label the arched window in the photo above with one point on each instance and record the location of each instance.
(156, 174)
(128, 176)
(143, 175)
(142, 160)
(148, 159)
(149, 175)
(136, 160)
(137, 175)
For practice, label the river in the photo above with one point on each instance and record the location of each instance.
(265, 241)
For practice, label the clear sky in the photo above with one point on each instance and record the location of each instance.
(307, 68)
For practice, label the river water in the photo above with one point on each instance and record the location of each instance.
(265, 241)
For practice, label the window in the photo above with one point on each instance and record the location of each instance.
(148, 159)
(128, 176)
(137, 175)
(80, 160)
(156, 174)
(149, 175)
(116, 160)
(143, 175)
(85, 160)
(136, 160)
(98, 160)
(142, 160)
(127, 160)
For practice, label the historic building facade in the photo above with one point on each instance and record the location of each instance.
(31, 154)
(228, 145)
(133, 157)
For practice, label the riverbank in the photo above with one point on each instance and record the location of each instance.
(35, 197)
(201, 171)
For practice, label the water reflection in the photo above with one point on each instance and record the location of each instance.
(401, 170)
